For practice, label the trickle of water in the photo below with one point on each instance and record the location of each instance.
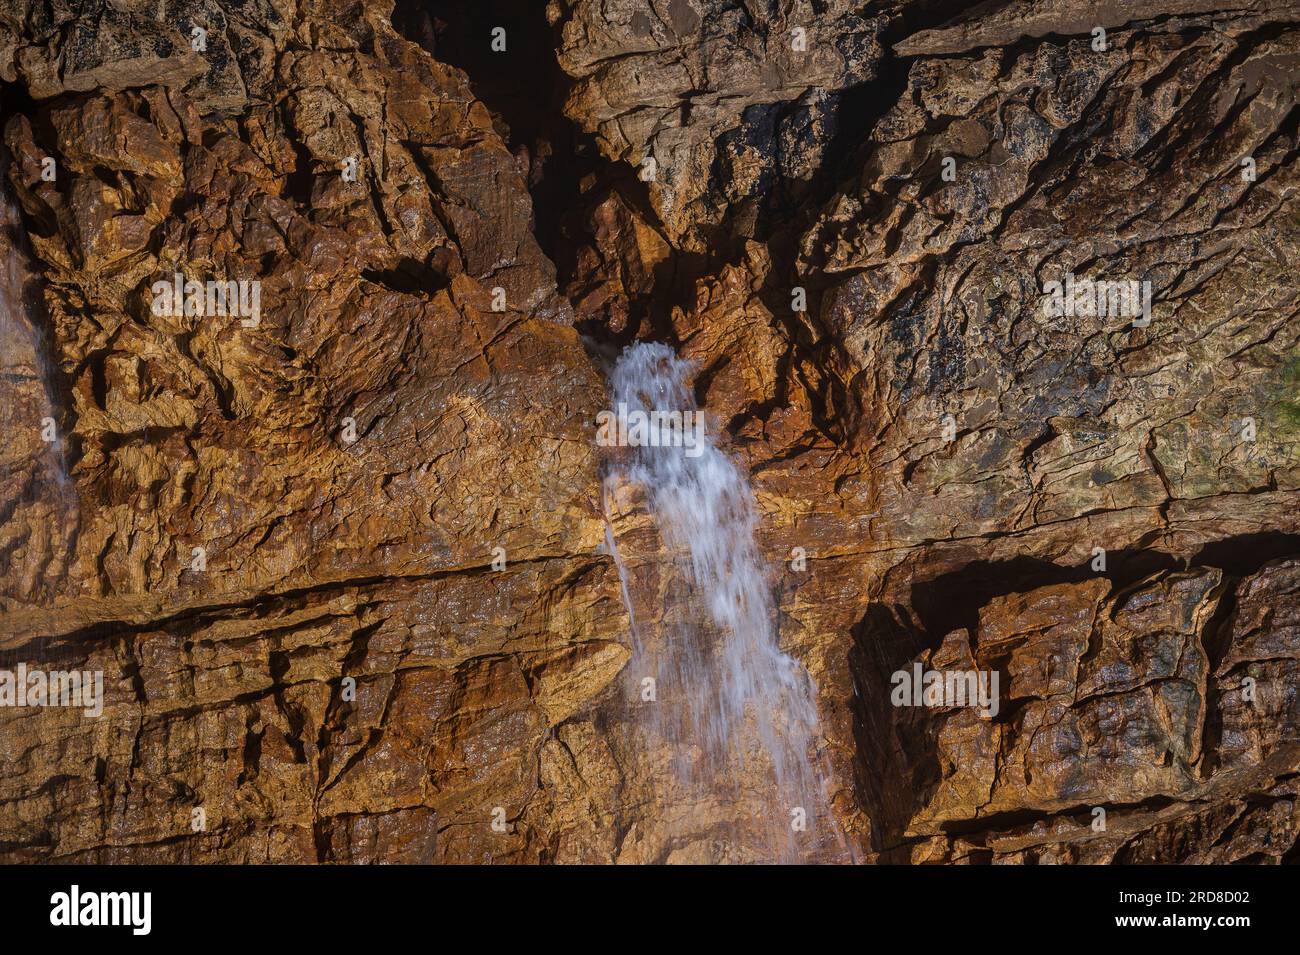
(738, 712)
(22, 354)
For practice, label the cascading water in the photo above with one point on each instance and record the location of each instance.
(22, 355)
(738, 714)
(35, 491)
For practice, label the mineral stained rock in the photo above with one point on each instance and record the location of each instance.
(349, 563)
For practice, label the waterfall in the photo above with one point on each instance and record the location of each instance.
(738, 714)
(36, 494)
(25, 375)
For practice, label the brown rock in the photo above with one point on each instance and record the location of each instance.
(345, 565)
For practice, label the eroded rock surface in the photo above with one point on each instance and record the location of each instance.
(346, 567)
(717, 102)
(371, 442)
(1176, 695)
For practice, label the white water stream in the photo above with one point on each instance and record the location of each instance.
(22, 355)
(738, 713)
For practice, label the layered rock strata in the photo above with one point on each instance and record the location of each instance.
(344, 564)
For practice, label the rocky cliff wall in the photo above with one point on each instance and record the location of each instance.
(344, 564)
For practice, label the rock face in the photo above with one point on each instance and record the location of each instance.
(1172, 698)
(344, 554)
(719, 103)
(324, 488)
